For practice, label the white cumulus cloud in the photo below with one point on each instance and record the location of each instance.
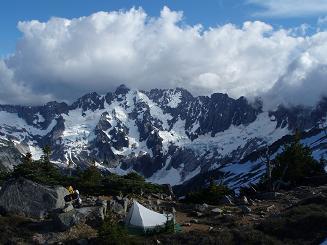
(64, 58)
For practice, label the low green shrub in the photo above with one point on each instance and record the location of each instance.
(210, 195)
(3, 176)
(304, 223)
(40, 172)
(112, 233)
(129, 184)
(90, 181)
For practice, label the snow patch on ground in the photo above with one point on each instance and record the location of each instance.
(166, 176)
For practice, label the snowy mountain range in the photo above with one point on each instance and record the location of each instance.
(168, 136)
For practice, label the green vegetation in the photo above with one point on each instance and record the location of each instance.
(170, 226)
(3, 176)
(241, 235)
(301, 224)
(134, 176)
(112, 233)
(291, 167)
(305, 223)
(14, 230)
(295, 163)
(90, 181)
(130, 184)
(40, 172)
(210, 195)
(46, 153)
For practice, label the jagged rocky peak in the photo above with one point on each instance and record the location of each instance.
(37, 116)
(217, 113)
(104, 123)
(171, 98)
(300, 117)
(56, 105)
(91, 101)
(122, 90)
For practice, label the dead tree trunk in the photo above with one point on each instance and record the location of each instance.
(266, 159)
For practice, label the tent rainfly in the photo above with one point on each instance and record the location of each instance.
(144, 219)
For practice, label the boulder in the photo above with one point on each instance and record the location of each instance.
(68, 207)
(116, 207)
(25, 197)
(169, 198)
(120, 205)
(229, 218)
(155, 195)
(270, 208)
(251, 202)
(195, 221)
(118, 198)
(63, 221)
(217, 211)
(198, 214)
(245, 209)
(92, 216)
(181, 198)
(102, 203)
(201, 207)
(244, 200)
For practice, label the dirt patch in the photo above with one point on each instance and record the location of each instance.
(184, 218)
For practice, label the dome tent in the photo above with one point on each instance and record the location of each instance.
(142, 219)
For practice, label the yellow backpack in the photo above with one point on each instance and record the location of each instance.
(70, 190)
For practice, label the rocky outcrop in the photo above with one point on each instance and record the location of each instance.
(10, 155)
(24, 197)
(119, 205)
(63, 221)
(92, 216)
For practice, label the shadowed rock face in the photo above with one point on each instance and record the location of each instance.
(24, 197)
(10, 154)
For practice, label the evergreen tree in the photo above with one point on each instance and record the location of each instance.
(294, 164)
(134, 176)
(211, 194)
(27, 159)
(70, 166)
(90, 180)
(46, 153)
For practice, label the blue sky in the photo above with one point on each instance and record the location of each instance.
(209, 13)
